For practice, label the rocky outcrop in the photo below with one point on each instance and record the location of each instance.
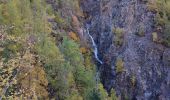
(146, 64)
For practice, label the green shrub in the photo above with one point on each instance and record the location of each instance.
(133, 80)
(72, 54)
(113, 95)
(118, 36)
(141, 31)
(10, 49)
(167, 9)
(59, 20)
(162, 19)
(50, 10)
(118, 31)
(119, 65)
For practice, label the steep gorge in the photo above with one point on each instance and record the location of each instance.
(144, 72)
(85, 49)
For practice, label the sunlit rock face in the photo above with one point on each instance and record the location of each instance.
(122, 29)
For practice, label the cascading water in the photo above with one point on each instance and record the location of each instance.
(95, 50)
(94, 47)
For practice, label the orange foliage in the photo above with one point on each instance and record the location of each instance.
(75, 22)
(73, 36)
(83, 50)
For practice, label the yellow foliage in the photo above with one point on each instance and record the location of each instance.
(23, 68)
(118, 31)
(32, 78)
(70, 78)
(5, 78)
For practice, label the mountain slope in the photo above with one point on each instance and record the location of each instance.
(132, 45)
(85, 49)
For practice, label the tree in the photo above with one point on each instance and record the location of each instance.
(84, 78)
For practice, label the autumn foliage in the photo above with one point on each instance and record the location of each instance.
(73, 36)
(36, 64)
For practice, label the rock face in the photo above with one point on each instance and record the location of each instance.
(146, 64)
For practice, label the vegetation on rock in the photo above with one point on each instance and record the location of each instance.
(162, 19)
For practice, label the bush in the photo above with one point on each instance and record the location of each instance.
(133, 80)
(119, 65)
(113, 95)
(118, 36)
(141, 31)
(162, 19)
(59, 20)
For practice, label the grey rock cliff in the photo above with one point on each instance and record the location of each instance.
(146, 70)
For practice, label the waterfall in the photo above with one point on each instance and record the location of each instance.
(95, 50)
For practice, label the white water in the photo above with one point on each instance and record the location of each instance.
(94, 47)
